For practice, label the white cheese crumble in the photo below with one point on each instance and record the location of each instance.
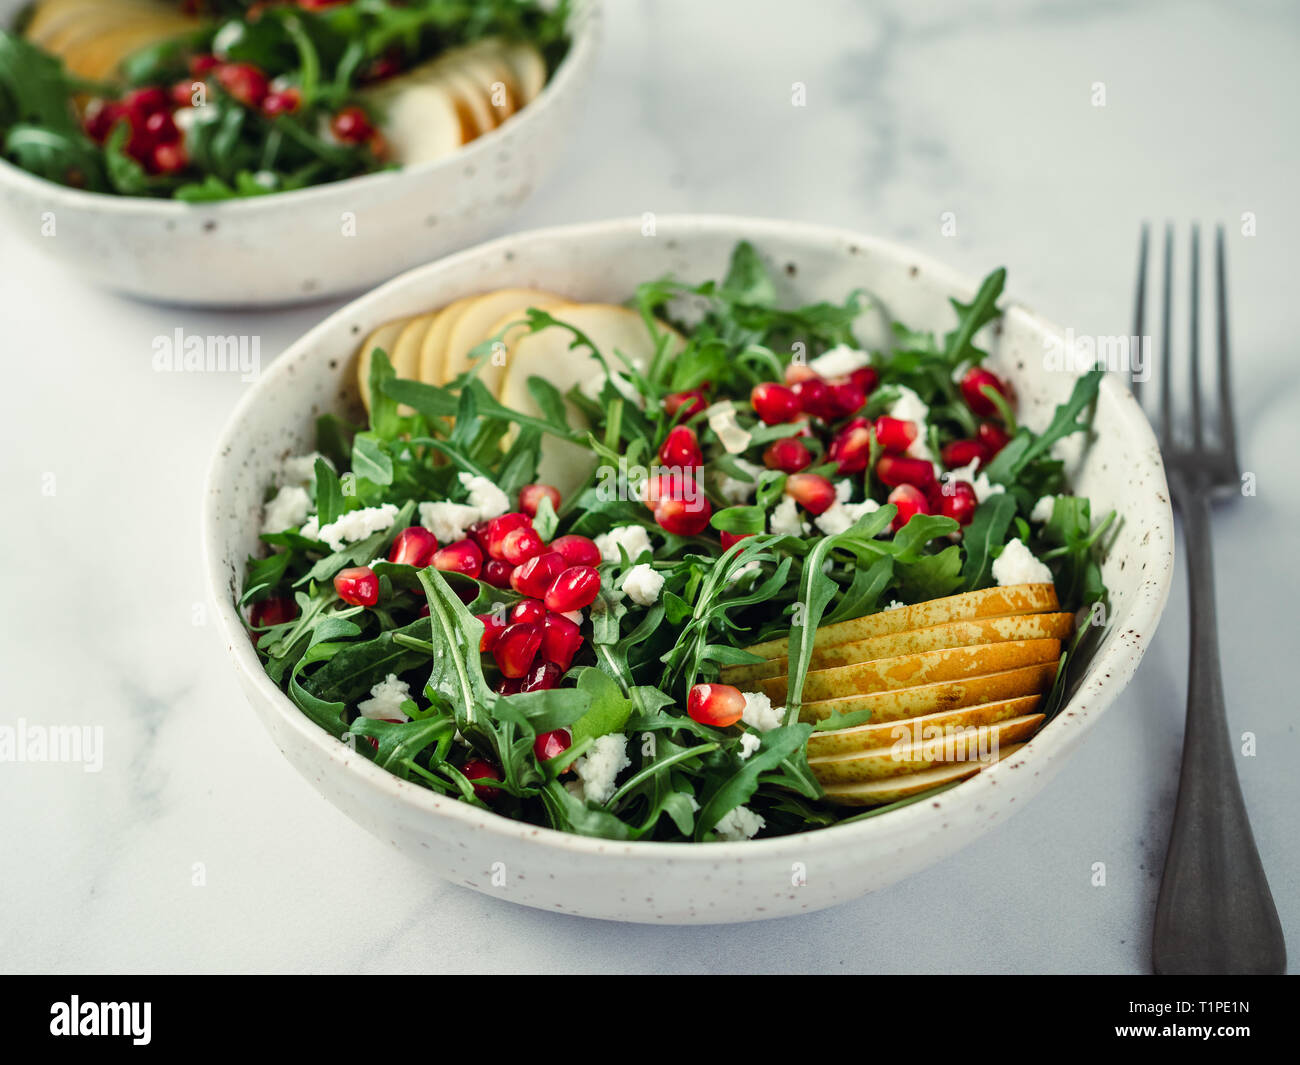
(748, 571)
(386, 698)
(734, 490)
(749, 743)
(592, 387)
(601, 765)
(484, 496)
(632, 538)
(722, 420)
(843, 490)
(895, 604)
(643, 584)
(1017, 565)
(760, 714)
(785, 519)
(1042, 512)
(980, 482)
(447, 521)
(287, 510)
(739, 823)
(357, 525)
(300, 469)
(841, 516)
(910, 408)
(839, 361)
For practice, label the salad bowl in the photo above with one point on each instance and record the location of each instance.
(311, 243)
(1118, 467)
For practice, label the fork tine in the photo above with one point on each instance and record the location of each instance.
(1227, 424)
(1166, 402)
(1139, 310)
(1194, 337)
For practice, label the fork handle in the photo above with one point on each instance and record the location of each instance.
(1215, 913)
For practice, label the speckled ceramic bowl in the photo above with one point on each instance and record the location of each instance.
(316, 242)
(674, 882)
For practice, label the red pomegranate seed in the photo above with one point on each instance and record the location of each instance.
(413, 547)
(508, 686)
(895, 434)
(497, 573)
(573, 589)
(100, 118)
(684, 517)
(352, 125)
(993, 437)
(561, 639)
(536, 576)
(461, 557)
(774, 403)
(816, 399)
(670, 484)
(731, 539)
(531, 495)
(168, 159)
(493, 626)
(245, 82)
(963, 453)
(542, 677)
(787, 455)
(516, 647)
(358, 586)
(866, 379)
(910, 501)
(550, 745)
(973, 383)
(577, 550)
(161, 129)
(719, 705)
(274, 611)
(519, 545)
(182, 93)
(479, 769)
(898, 469)
(685, 404)
(500, 526)
(478, 532)
(681, 449)
(848, 397)
(799, 371)
(851, 448)
(811, 491)
(424, 611)
(530, 610)
(203, 63)
(957, 500)
(141, 103)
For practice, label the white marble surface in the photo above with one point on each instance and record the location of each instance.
(982, 109)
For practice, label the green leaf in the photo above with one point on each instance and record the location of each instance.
(329, 493)
(608, 710)
(778, 744)
(987, 530)
(457, 673)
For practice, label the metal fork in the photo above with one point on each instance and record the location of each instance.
(1215, 913)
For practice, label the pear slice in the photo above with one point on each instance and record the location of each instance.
(906, 671)
(406, 351)
(529, 69)
(419, 120)
(98, 55)
(385, 337)
(912, 641)
(944, 695)
(511, 330)
(868, 737)
(470, 99)
(483, 63)
(475, 322)
(52, 20)
(891, 789)
(433, 349)
(985, 603)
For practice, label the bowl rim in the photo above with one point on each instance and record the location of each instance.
(1110, 671)
(585, 38)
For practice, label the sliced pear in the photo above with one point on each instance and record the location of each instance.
(868, 737)
(483, 64)
(985, 603)
(470, 99)
(943, 695)
(891, 789)
(475, 322)
(433, 349)
(406, 351)
(913, 641)
(51, 17)
(419, 120)
(385, 337)
(529, 69)
(99, 56)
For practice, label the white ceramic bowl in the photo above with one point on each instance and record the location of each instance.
(292, 247)
(676, 882)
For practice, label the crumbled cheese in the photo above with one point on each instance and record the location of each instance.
(643, 584)
(749, 743)
(980, 482)
(760, 714)
(592, 386)
(785, 519)
(748, 571)
(841, 516)
(1042, 512)
(910, 408)
(300, 469)
(839, 361)
(632, 538)
(357, 525)
(447, 521)
(484, 496)
(1017, 565)
(843, 490)
(599, 768)
(734, 490)
(722, 420)
(310, 528)
(895, 604)
(386, 698)
(287, 510)
(739, 823)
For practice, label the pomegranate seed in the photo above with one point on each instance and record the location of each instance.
(358, 586)
(182, 93)
(413, 547)
(141, 103)
(519, 545)
(848, 397)
(203, 63)
(536, 575)
(963, 453)
(993, 437)
(245, 82)
(530, 610)
(497, 573)
(508, 686)
(799, 371)
(672, 484)
(516, 647)
(550, 745)
(682, 517)
(958, 500)
(461, 557)
(787, 455)
(866, 379)
(731, 539)
(168, 158)
(478, 532)
(282, 102)
(499, 527)
(973, 383)
(898, 469)
(352, 125)
(573, 589)
(100, 118)
(811, 491)
(542, 677)
(274, 611)
(851, 448)
(561, 639)
(895, 434)
(816, 398)
(719, 705)
(774, 403)
(480, 769)
(910, 501)
(577, 550)
(681, 449)
(530, 498)
(685, 404)
(493, 626)
(424, 611)
(160, 128)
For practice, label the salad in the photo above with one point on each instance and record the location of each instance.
(202, 101)
(744, 531)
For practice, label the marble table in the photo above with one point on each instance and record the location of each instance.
(197, 848)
